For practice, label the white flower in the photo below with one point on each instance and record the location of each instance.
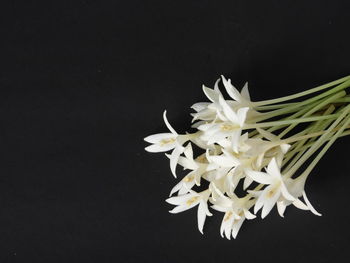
(224, 166)
(275, 189)
(236, 211)
(198, 167)
(163, 142)
(242, 97)
(296, 188)
(207, 111)
(231, 128)
(188, 201)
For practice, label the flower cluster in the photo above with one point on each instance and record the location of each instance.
(245, 156)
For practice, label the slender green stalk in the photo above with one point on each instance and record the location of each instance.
(300, 120)
(326, 147)
(319, 142)
(301, 94)
(315, 109)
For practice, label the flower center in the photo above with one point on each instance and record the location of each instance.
(228, 216)
(167, 141)
(272, 192)
(201, 158)
(192, 200)
(188, 179)
(227, 127)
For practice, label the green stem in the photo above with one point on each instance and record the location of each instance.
(301, 94)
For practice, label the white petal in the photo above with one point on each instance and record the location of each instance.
(219, 208)
(174, 157)
(285, 193)
(270, 201)
(230, 89)
(200, 106)
(229, 113)
(285, 147)
(216, 85)
(188, 151)
(176, 188)
(223, 161)
(299, 204)
(235, 140)
(242, 115)
(179, 209)
(245, 92)
(247, 182)
(187, 164)
(273, 169)
(228, 227)
(236, 227)
(181, 199)
(201, 215)
(186, 188)
(154, 148)
(312, 209)
(281, 207)
(259, 202)
(260, 177)
(156, 138)
(248, 214)
(168, 124)
(212, 95)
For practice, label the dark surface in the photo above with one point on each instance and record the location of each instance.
(82, 83)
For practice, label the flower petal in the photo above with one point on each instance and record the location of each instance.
(245, 92)
(281, 207)
(155, 148)
(211, 94)
(156, 138)
(168, 124)
(181, 199)
(236, 227)
(230, 89)
(299, 204)
(270, 201)
(285, 193)
(174, 157)
(176, 188)
(188, 151)
(248, 214)
(242, 115)
(273, 169)
(259, 177)
(201, 214)
(312, 209)
(228, 111)
(199, 106)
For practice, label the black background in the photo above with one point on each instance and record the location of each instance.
(82, 82)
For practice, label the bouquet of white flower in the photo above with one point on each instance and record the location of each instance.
(250, 153)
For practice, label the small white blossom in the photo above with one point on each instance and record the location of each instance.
(190, 200)
(276, 188)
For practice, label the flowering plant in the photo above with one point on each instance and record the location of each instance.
(247, 156)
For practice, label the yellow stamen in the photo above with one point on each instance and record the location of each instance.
(228, 216)
(201, 158)
(227, 127)
(188, 179)
(167, 141)
(192, 200)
